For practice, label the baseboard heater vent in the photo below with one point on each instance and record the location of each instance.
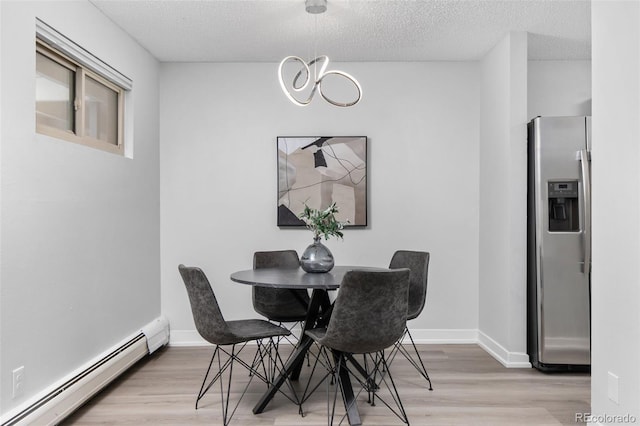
(57, 404)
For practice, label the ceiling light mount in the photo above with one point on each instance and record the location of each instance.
(307, 77)
(315, 6)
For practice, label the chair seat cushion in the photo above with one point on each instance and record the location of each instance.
(288, 318)
(316, 333)
(253, 329)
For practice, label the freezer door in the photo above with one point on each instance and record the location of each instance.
(563, 293)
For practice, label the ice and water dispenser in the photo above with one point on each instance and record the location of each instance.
(563, 206)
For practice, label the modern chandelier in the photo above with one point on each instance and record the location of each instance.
(303, 78)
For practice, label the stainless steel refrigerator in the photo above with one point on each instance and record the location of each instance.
(559, 243)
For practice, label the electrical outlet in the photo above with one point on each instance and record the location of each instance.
(18, 381)
(613, 387)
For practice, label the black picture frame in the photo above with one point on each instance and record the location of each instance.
(320, 170)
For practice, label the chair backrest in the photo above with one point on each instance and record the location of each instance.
(278, 304)
(204, 307)
(276, 259)
(418, 264)
(370, 311)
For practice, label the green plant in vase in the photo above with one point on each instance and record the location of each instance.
(323, 223)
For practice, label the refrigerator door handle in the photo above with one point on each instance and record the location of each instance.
(585, 159)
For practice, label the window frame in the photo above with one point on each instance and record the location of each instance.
(81, 73)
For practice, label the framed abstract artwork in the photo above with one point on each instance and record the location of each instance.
(318, 171)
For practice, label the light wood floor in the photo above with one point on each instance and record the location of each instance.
(470, 388)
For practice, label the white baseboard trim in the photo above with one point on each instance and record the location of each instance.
(186, 338)
(443, 336)
(506, 358)
(420, 336)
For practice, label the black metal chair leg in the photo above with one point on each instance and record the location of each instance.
(422, 369)
(200, 393)
(395, 394)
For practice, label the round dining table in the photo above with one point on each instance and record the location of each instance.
(318, 314)
(295, 278)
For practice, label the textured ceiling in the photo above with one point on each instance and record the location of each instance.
(350, 30)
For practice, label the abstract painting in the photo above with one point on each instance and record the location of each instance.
(318, 171)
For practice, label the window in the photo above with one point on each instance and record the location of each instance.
(75, 101)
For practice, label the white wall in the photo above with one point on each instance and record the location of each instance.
(219, 124)
(80, 227)
(616, 207)
(69, 283)
(558, 88)
(502, 241)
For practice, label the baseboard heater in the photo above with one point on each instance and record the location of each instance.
(64, 399)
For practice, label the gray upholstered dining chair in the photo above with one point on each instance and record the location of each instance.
(279, 305)
(418, 263)
(212, 326)
(369, 315)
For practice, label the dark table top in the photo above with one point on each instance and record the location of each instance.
(296, 277)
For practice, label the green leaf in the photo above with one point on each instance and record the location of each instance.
(323, 222)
